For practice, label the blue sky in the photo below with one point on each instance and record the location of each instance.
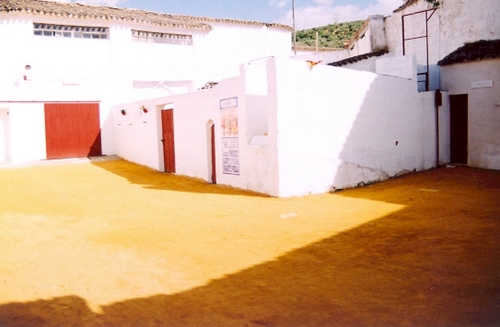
(308, 13)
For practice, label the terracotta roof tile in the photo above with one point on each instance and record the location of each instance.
(84, 11)
(479, 50)
(406, 4)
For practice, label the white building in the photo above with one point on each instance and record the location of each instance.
(428, 32)
(471, 74)
(273, 124)
(286, 128)
(65, 63)
(299, 129)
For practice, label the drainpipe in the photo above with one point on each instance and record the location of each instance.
(438, 101)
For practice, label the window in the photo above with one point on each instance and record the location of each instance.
(154, 37)
(84, 32)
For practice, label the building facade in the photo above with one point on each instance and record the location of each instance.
(87, 56)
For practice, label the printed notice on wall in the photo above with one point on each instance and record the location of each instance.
(230, 140)
(230, 156)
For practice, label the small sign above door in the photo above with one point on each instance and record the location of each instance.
(481, 84)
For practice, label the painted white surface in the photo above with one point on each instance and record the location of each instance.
(367, 65)
(337, 128)
(119, 70)
(193, 113)
(454, 23)
(370, 38)
(324, 56)
(324, 127)
(401, 66)
(378, 38)
(484, 108)
(220, 54)
(5, 142)
(27, 131)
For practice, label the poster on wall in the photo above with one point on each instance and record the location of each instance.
(230, 141)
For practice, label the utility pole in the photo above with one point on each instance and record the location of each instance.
(294, 32)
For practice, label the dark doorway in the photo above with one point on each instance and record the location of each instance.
(459, 128)
(167, 123)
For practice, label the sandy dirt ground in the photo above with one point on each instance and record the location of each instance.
(111, 243)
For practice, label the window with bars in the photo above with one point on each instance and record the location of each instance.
(155, 37)
(82, 32)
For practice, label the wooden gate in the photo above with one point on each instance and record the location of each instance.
(167, 123)
(72, 130)
(459, 128)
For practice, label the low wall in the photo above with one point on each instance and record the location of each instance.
(138, 134)
(297, 129)
(338, 128)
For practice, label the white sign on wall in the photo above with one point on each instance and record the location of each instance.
(481, 84)
(230, 140)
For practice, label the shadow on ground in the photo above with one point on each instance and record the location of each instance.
(170, 182)
(434, 263)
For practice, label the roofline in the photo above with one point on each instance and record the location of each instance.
(320, 49)
(77, 11)
(488, 49)
(352, 60)
(409, 3)
(233, 21)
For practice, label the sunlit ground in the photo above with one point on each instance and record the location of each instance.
(114, 231)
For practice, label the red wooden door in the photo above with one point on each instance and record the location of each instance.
(72, 130)
(167, 123)
(212, 151)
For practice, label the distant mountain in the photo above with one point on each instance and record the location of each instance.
(330, 36)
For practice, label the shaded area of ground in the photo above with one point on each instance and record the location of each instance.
(156, 180)
(434, 262)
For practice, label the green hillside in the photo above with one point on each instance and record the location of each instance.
(330, 36)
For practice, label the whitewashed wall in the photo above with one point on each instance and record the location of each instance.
(454, 23)
(301, 131)
(5, 142)
(220, 53)
(214, 55)
(138, 135)
(371, 37)
(117, 70)
(463, 21)
(27, 95)
(24, 129)
(337, 128)
(325, 57)
(22, 134)
(474, 79)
